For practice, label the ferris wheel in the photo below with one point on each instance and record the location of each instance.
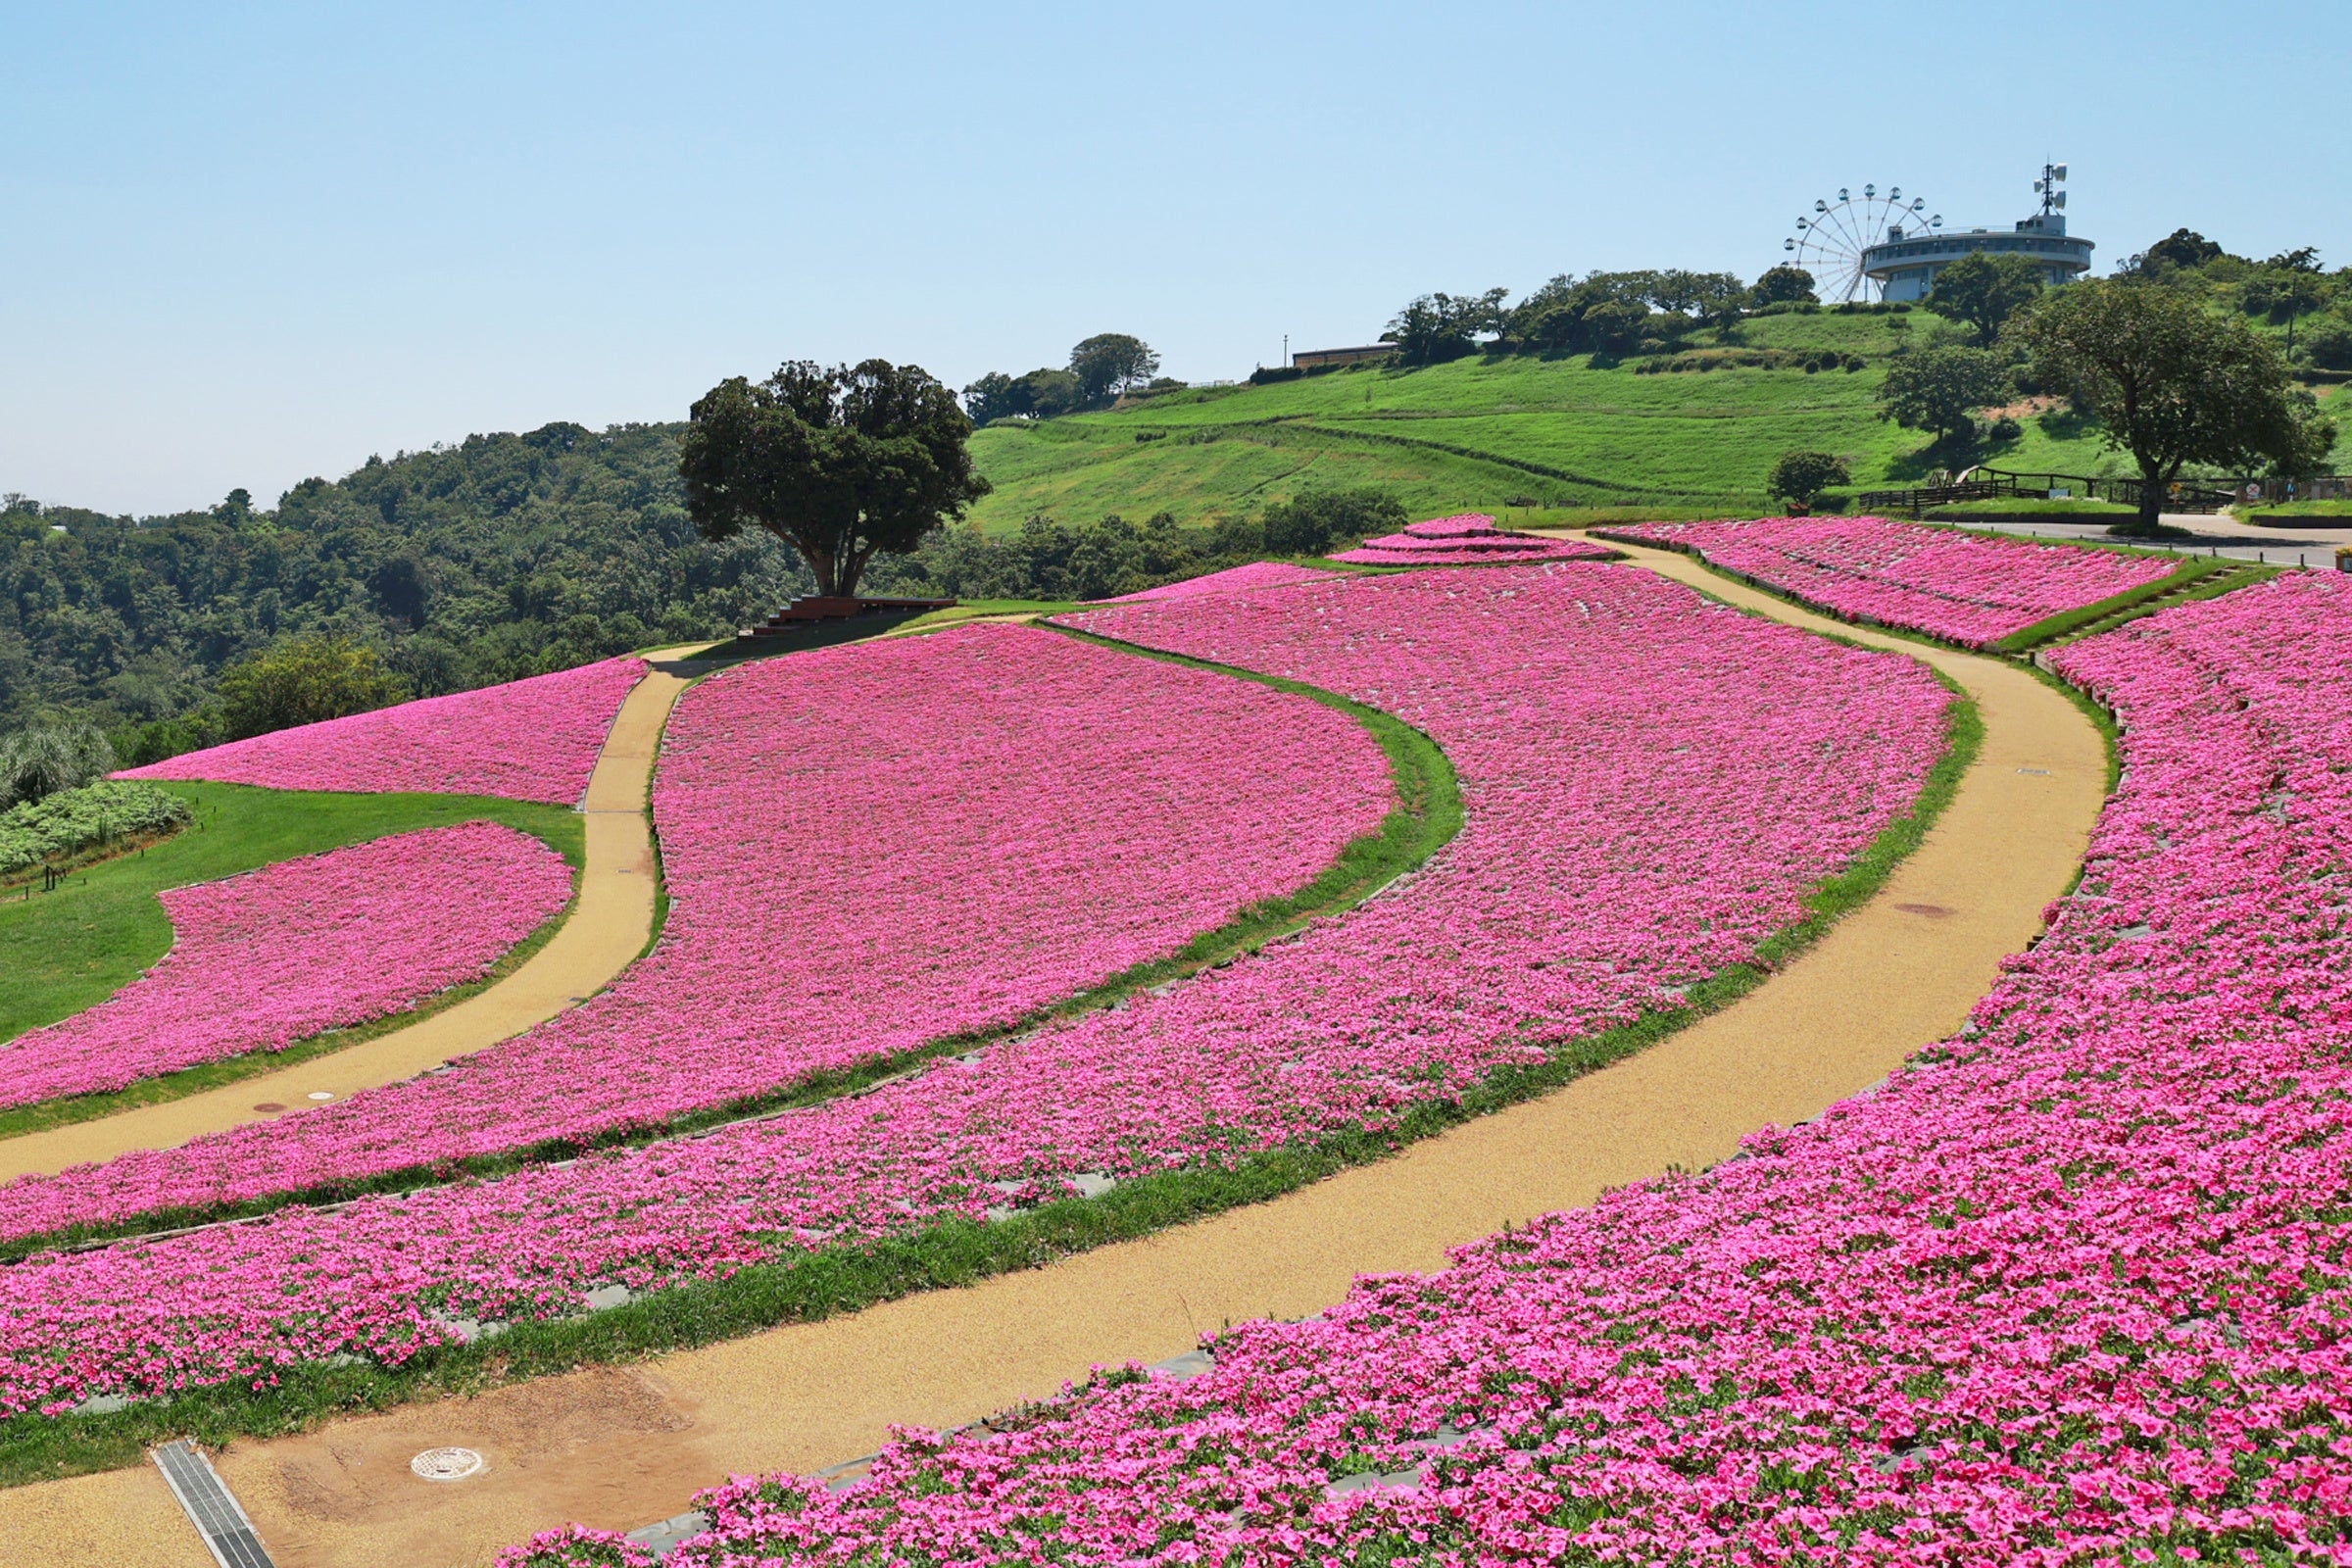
(1829, 242)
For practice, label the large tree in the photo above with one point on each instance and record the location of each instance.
(2173, 384)
(1984, 292)
(1941, 390)
(1784, 284)
(841, 464)
(303, 682)
(1111, 362)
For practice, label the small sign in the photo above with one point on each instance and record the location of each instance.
(2253, 492)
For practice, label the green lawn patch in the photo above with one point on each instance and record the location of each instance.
(70, 949)
(809, 1287)
(1501, 434)
(2288, 514)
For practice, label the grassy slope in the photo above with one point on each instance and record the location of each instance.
(68, 950)
(1480, 433)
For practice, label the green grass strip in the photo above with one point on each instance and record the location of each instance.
(810, 1287)
(2055, 627)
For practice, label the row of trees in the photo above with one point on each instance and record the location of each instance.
(1600, 312)
(1101, 369)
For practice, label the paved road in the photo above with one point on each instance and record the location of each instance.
(2214, 536)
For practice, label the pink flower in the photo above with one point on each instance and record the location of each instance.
(528, 740)
(261, 960)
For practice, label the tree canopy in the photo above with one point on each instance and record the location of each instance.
(1433, 328)
(303, 682)
(1939, 390)
(842, 463)
(1784, 286)
(2173, 384)
(1984, 292)
(1109, 363)
(485, 560)
(1801, 477)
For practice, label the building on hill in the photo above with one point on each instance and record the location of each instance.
(1325, 358)
(1904, 264)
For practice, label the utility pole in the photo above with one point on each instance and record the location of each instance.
(1286, 351)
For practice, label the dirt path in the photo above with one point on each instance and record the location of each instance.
(607, 929)
(622, 1446)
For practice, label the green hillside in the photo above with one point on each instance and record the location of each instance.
(1486, 432)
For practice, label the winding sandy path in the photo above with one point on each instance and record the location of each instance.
(620, 1447)
(608, 927)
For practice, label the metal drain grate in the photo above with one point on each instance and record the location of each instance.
(227, 1534)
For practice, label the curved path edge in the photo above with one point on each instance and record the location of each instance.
(609, 924)
(620, 1446)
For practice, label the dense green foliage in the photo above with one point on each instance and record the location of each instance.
(306, 681)
(2173, 383)
(842, 463)
(500, 557)
(2308, 307)
(69, 822)
(1941, 390)
(65, 950)
(1101, 369)
(1984, 292)
(1801, 477)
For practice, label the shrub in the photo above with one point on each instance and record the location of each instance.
(69, 821)
(1802, 475)
(304, 682)
(2327, 342)
(38, 763)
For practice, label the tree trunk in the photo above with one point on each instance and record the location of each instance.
(2153, 482)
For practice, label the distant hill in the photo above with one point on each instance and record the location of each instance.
(1489, 432)
(499, 557)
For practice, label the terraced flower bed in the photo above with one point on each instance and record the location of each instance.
(261, 960)
(527, 740)
(2071, 1288)
(1255, 574)
(1652, 785)
(1468, 540)
(1965, 588)
(868, 849)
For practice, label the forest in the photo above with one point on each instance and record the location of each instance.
(499, 557)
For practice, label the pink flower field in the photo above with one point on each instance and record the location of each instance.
(261, 960)
(2071, 1288)
(1973, 589)
(1257, 575)
(1652, 784)
(528, 740)
(982, 821)
(1468, 540)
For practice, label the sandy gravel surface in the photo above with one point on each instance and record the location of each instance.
(624, 1447)
(607, 929)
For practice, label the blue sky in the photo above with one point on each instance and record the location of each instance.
(251, 243)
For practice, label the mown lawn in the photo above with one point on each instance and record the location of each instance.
(1486, 434)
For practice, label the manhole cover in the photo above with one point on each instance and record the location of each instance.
(270, 1106)
(1933, 911)
(447, 1465)
(321, 1094)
